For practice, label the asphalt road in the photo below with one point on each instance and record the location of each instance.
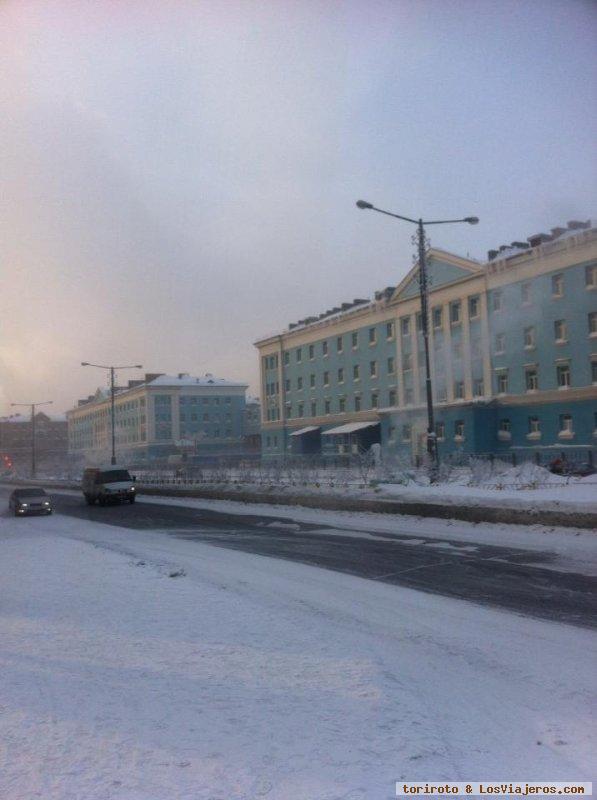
(504, 577)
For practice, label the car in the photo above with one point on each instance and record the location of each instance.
(108, 484)
(23, 502)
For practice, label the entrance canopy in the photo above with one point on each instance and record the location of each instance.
(308, 429)
(350, 427)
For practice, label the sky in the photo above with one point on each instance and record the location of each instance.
(179, 178)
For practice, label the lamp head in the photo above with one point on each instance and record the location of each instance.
(364, 204)
(84, 363)
(472, 220)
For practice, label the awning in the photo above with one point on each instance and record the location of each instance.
(350, 427)
(308, 429)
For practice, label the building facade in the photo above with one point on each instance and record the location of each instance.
(16, 441)
(162, 418)
(513, 347)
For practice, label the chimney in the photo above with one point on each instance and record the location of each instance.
(576, 225)
(555, 232)
(520, 245)
(491, 254)
(538, 238)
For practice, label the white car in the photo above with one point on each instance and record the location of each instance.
(29, 501)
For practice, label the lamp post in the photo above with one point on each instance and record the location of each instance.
(33, 406)
(423, 286)
(112, 370)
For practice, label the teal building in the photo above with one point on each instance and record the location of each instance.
(513, 345)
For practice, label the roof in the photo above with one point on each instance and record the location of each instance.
(189, 380)
(308, 429)
(350, 427)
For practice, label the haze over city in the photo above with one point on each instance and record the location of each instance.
(180, 179)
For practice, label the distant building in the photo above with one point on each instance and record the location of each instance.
(164, 418)
(51, 441)
(252, 425)
(513, 345)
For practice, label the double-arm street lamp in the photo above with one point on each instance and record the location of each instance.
(112, 392)
(33, 406)
(423, 285)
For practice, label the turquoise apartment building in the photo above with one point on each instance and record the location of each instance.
(513, 345)
(166, 417)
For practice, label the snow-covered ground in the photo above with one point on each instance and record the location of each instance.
(526, 486)
(245, 677)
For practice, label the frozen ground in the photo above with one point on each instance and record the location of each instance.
(246, 677)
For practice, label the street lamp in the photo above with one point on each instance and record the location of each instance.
(420, 223)
(112, 392)
(32, 406)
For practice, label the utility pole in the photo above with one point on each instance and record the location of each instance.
(112, 370)
(33, 406)
(432, 449)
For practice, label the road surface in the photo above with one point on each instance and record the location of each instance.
(519, 580)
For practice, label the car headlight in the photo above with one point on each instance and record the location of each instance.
(132, 488)
(46, 503)
(24, 505)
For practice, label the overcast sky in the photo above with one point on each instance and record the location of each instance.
(179, 178)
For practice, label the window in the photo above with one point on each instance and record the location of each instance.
(436, 317)
(593, 371)
(288, 411)
(534, 426)
(502, 382)
(407, 361)
(326, 405)
(408, 396)
(505, 426)
(287, 385)
(339, 344)
(373, 369)
(497, 300)
(391, 365)
(440, 430)
(374, 400)
(311, 352)
(525, 293)
(324, 347)
(441, 394)
(591, 276)
(287, 358)
(459, 429)
(459, 390)
(355, 339)
(391, 433)
(529, 337)
(478, 388)
(313, 408)
(557, 285)
(566, 425)
(392, 397)
(405, 326)
(299, 383)
(389, 330)
(312, 380)
(531, 379)
(357, 403)
(301, 410)
(500, 343)
(457, 350)
(341, 375)
(592, 320)
(455, 312)
(419, 321)
(299, 354)
(406, 432)
(473, 307)
(372, 336)
(326, 378)
(356, 372)
(563, 376)
(560, 330)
